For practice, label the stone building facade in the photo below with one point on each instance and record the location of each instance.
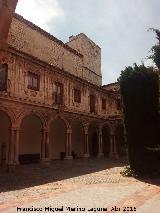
(52, 103)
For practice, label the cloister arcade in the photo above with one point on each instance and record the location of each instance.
(53, 105)
(29, 137)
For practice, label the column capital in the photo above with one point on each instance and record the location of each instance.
(86, 125)
(45, 129)
(69, 131)
(86, 131)
(100, 127)
(13, 128)
(99, 131)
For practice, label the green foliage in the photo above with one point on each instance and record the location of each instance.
(128, 172)
(139, 90)
(155, 56)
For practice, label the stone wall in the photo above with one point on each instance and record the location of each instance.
(80, 57)
(114, 87)
(28, 38)
(92, 57)
(18, 72)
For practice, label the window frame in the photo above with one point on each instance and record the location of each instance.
(77, 95)
(3, 87)
(59, 97)
(92, 108)
(103, 104)
(33, 76)
(118, 104)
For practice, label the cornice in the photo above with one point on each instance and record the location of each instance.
(58, 70)
(65, 111)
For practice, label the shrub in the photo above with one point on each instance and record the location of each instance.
(139, 91)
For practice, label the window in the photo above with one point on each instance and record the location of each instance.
(33, 81)
(58, 93)
(77, 95)
(3, 77)
(92, 103)
(118, 104)
(103, 104)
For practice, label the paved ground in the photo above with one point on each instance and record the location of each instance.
(93, 185)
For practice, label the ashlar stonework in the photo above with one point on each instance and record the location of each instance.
(52, 103)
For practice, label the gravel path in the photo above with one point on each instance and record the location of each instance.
(84, 183)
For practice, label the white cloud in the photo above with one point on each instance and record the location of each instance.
(119, 27)
(40, 12)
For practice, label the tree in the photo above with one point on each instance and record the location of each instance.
(155, 56)
(139, 91)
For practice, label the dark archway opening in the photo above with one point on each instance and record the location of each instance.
(120, 142)
(77, 139)
(30, 140)
(93, 141)
(57, 135)
(5, 134)
(106, 141)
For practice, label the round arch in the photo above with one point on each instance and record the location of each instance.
(11, 115)
(30, 138)
(77, 138)
(61, 117)
(93, 139)
(57, 136)
(24, 114)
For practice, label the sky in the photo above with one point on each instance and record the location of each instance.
(119, 27)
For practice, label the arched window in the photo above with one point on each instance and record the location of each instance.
(3, 77)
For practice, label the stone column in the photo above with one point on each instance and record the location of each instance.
(43, 144)
(47, 154)
(7, 9)
(68, 151)
(115, 147)
(17, 132)
(45, 147)
(86, 145)
(11, 151)
(111, 152)
(100, 145)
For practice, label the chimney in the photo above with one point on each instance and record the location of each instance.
(7, 9)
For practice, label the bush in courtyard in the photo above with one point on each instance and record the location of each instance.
(139, 90)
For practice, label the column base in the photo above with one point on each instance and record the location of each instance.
(68, 157)
(17, 163)
(116, 156)
(86, 155)
(45, 162)
(100, 155)
(111, 155)
(11, 167)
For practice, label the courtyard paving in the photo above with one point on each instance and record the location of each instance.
(85, 185)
